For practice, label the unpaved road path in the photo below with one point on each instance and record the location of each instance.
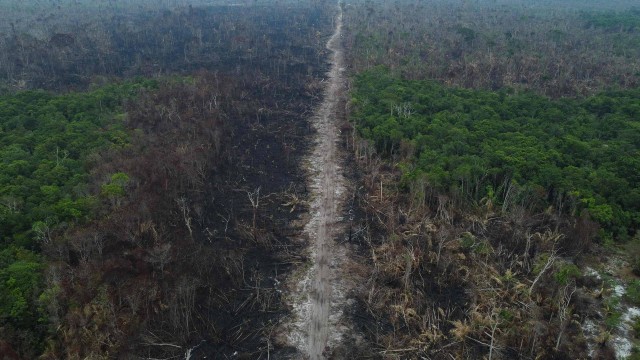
(331, 185)
(321, 291)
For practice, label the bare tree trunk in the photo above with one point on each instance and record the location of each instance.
(184, 208)
(563, 309)
(552, 258)
(254, 198)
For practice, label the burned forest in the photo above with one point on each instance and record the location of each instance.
(173, 230)
(279, 179)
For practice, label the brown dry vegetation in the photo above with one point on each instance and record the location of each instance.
(449, 280)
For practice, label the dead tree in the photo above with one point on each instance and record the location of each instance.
(254, 198)
(550, 261)
(184, 209)
(563, 309)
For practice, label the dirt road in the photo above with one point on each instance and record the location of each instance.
(321, 294)
(330, 185)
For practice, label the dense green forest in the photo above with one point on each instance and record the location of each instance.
(46, 142)
(573, 154)
(46, 147)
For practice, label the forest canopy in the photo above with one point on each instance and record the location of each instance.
(477, 143)
(45, 140)
(46, 147)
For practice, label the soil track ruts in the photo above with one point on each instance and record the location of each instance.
(324, 217)
(321, 292)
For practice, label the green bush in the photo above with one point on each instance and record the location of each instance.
(566, 273)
